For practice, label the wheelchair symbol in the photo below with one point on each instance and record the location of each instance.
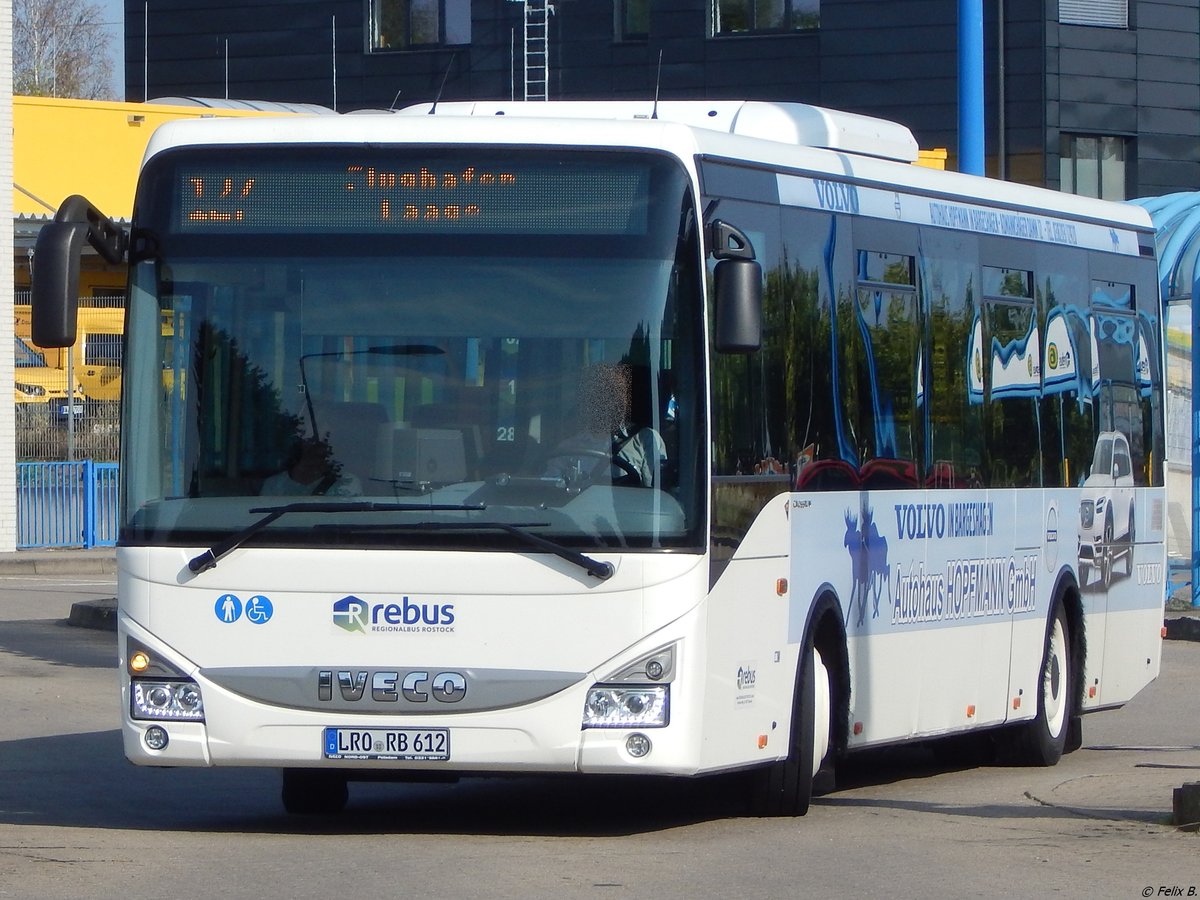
(259, 610)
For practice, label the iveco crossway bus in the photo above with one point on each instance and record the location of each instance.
(626, 438)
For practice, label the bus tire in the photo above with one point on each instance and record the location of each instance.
(1043, 741)
(1074, 735)
(314, 792)
(785, 788)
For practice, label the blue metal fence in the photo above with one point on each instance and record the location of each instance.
(66, 504)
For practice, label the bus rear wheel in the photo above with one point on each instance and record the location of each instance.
(314, 792)
(1043, 741)
(785, 788)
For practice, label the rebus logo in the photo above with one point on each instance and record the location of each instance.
(746, 677)
(350, 613)
(354, 614)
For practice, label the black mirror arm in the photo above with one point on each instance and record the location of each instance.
(107, 238)
(727, 241)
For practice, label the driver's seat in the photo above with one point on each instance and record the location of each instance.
(350, 429)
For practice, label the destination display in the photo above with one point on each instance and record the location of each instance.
(348, 192)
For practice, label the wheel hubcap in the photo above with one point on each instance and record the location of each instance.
(1053, 693)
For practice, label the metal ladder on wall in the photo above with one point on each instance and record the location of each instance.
(537, 48)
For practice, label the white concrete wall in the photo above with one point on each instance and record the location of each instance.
(1179, 430)
(8, 459)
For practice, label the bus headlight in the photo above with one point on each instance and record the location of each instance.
(30, 390)
(627, 706)
(166, 700)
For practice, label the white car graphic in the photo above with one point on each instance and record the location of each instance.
(1106, 509)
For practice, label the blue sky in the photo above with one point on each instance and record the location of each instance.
(114, 18)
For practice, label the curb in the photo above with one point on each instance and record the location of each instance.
(100, 615)
(1183, 629)
(83, 562)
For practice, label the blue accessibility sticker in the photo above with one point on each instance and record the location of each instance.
(259, 609)
(228, 608)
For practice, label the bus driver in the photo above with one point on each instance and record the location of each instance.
(608, 444)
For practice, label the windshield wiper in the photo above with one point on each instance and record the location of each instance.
(594, 567)
(208, 559)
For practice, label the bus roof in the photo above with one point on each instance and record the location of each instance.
(788, 136)
(796, 124)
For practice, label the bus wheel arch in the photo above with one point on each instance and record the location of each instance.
(829, 639)
(1055, 729)
(818, 728)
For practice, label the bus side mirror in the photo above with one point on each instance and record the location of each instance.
(739, 306)
(737, 278)
(55, 297)
(56, 258)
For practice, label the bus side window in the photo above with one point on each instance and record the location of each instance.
(892, 370)
(1012, 377)
(749, 408)
(950, 293)
(1068, 430)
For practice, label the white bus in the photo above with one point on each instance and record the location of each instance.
(617, 438)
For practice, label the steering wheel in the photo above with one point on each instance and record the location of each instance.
(630, 476)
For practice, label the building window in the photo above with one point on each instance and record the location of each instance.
(407, 24)
(1094, 165)
(633, 20)
(1100, 13)
(764, 16)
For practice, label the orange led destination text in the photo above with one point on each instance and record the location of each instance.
(229, 189)
(408, 204)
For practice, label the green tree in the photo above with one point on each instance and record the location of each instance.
(61, 49)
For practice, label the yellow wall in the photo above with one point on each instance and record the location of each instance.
(933, 159)
(89, 147)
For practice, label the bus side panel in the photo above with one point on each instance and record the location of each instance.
(925, 581)
(945, 597)
(1133, 637)
(751, 659)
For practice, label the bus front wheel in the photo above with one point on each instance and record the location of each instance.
(785, 788)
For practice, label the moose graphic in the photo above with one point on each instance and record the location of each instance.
(868, 551)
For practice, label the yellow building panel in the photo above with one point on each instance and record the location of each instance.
(933, 159)
(90, 147)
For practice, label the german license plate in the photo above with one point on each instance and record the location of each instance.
(387, 743)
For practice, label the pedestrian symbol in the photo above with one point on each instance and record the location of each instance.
(228, 608)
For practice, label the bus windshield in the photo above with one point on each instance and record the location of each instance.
(476, 341)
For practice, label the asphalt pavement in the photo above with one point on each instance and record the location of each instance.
(100, 613)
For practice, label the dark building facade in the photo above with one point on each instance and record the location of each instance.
(1098, 97)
